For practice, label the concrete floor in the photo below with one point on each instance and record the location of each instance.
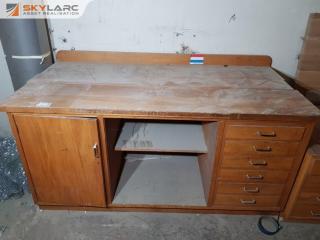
(20, 219)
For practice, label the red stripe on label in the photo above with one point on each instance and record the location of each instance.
(197, 55)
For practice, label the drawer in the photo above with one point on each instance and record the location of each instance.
(312, 198)
(245, 201)
(316, 168)
(306, 211)
(249, 188)
(260, 148)
(260, 132)
(279, 163)
(311, 184)
(234, 175)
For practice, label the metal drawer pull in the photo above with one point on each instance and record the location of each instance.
(96, 150)
(258, 177)
(253, 201)
(266, 134)
(258, 163)
(255, 190)
(266, 149)
(315, 214)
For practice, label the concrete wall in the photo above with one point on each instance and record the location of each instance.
(6, 89)
(270, 27)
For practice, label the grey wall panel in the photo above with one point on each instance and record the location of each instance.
(24, 37)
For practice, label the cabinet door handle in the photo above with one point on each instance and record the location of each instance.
(265, 149)
(315, 214)
(254, 190)
(266, 134)
(96, 150)
(258, 163)
(257, 177)
(248, 202)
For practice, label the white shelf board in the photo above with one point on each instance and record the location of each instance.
(160, 180)
(162, 137)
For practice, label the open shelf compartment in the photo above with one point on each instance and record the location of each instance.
(160, 180)
(168, 163)
(162, 137)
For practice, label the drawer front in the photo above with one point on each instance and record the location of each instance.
(245, 201)
(278, 163)
(312, 198)
(249, 188)
(234, 175)
(260, 148)
(312, 182)
(306, 211)
(259, 132)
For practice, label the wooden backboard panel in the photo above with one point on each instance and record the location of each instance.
(161, 58)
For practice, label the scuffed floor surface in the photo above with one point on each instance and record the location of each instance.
(20, 219)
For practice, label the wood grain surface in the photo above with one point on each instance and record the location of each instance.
(158, 90)
(60, 155)
(308, 74)
(211, 131)
(304, 201)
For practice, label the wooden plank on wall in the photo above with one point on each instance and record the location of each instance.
(160, 58)
(309, 63)
(311, 46)
(309, 79)
(313, 28)
(308, 74)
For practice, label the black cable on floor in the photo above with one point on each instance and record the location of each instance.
(275, 222)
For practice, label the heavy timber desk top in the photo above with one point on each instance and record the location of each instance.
(160, 90)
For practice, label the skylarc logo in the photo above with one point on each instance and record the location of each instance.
(33, 9)
(12, 9)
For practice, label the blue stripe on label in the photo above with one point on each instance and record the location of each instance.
(196, 61)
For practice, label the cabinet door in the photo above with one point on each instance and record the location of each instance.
(63, 158)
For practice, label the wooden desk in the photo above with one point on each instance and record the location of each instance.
(198, 138)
